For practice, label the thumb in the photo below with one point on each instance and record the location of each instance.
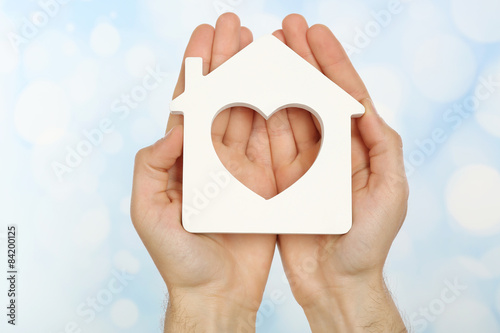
(151, 171)
(385, 147)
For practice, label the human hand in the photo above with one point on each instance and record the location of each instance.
(337, 279)
(215, 281)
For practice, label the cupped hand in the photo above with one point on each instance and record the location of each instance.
(325, 270)
(215, 281)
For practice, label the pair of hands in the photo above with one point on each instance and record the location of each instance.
(216, 281)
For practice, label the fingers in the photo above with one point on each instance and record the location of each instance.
(305, 131)
(239, 125)
(200, 45)
(151, 171)
(226, 44)
(280, 35)
(239, 128)
(295, 29)
(226, 40)
(281, 139)
(385, 148)
(258, 149)
(246, 37)
(334, 62)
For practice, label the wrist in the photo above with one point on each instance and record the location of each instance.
(355, 304)
(196, 312)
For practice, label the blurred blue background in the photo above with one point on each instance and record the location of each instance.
(432, 67)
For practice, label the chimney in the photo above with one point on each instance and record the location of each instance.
(194, 71)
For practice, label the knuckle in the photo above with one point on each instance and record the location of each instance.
(397, 139)
(141, 155)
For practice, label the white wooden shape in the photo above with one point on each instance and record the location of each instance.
(266, 76)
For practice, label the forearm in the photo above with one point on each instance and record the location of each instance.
(353, 306)
(201, 314)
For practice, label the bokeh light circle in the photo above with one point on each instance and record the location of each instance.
(479, 19)
(435, 67)
(472, 197)
(124, 313)
(42, 112)
(105, 40)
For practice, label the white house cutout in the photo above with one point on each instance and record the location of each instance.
(266, 76)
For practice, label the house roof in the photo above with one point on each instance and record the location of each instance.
(268, 63)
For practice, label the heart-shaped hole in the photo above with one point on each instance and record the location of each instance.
(266, 156)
